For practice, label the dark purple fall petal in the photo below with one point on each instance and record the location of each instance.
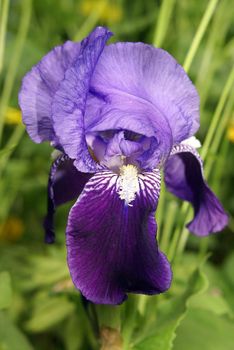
(111, 246)
(184, 178)
(69, 102)
(65, 184)
(38, 89)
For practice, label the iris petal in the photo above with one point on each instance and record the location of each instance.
(140, 117)
(70, 100)
(65, 184)
(137, 70)
(39, 87)
(111, 247)
(184, 178)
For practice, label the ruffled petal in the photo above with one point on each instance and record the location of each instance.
(111, 246)
(137, 70)
(70, 101)
(184, 178)
(39, 87)
(65, 184)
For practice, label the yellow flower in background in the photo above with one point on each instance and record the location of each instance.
(230, 132)
(13, 116)
(108, 11)
(12, 229)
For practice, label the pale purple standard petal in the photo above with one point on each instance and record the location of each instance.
(39, 87)
(184, 178)
(65, 183)
(111, 246)
(137, 70)
(70, 100)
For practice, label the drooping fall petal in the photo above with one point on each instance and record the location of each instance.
(65, 183)
(111, 246)
(184, 178)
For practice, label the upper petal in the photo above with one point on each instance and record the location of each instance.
(70, 100)
(38, 88)
(111, 246)
(153, 75)
(184, 178)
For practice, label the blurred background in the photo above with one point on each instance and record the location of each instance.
(39, 309)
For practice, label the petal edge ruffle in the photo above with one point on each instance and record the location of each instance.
(152, 74)
(38, 88)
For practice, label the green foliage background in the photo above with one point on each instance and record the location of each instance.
(39, 308)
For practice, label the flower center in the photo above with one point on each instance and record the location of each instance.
(128, 184)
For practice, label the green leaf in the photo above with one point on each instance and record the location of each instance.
(228, 269)
(6, 151)
(5, 290)
(49, 312)
(73, 333)
(11, 338)
(212, 301)
(162, 338)
(45, 270)
(77, 331)
(220, 283)
(171, 313)
(202, 329)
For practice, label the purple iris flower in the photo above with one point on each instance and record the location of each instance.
(118, 114)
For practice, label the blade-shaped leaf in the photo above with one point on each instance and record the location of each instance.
(170, 315)
(5, 290)
(11, 338)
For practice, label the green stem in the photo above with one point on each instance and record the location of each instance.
(168, 227)
(108, 316)
(129, 320)
(217, 115)
(184, 234)
(10, 146)
(142, 303)
(90, 22)
(177, 234)
(199, 34)
(14, 62)
(211, 55)
(204, 244)
(109, 323)
(226, 116)
(165, 13)
(216, 181)
(4, 7)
